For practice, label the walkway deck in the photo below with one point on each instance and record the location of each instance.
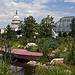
(24, 54)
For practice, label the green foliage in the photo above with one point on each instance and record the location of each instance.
(70, 55)
(39, 44)
(6, 61)
(5, 69)
(28, 27)
(45, 29)
(32, 48)
(45, 52)
(42, 71)
(1, 43)
(54, 70)
(68, 39)
(9, 32)
(22, 47)
(57, 54)
(16, 44)
(47, 47)
(51, 44)
(21, 43)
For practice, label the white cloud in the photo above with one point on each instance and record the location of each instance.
(37, 9)
(71, 7)
(69, 0)
(43, 1)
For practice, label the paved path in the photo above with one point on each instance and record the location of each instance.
(24, 54)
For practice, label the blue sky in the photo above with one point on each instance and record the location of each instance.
(37, 8)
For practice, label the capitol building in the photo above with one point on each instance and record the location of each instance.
(15, 22)
(63, 25)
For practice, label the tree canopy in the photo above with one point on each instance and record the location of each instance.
(28, 26)
(9, 32)
(46, 26)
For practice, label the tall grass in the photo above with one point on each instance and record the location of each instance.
(6, 61)
(55, 70)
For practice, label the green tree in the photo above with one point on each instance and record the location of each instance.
(28, 27)
(45, 29)
(72, 25)
(9, 32)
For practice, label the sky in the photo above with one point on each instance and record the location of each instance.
(39, 9)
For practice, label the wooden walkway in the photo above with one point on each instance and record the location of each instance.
(24, 54)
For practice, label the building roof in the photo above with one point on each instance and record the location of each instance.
(68, 17)
(16, 17)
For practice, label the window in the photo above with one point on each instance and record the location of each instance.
(68, 20)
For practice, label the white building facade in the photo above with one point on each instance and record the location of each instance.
(63, 25)
(15, 22)
(2, 30)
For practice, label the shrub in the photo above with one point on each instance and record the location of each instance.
(22, 41)
(54, 70)
(6, 62)
(68, 39)
(32, 48)
(16, 44)
(70, 55)
(51, 44)
(47, 47)
(45, 52)
(57, 54)
(22, 47)
(5, 69)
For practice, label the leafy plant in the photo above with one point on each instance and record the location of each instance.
(70, 55)
(45, 29)
(57, 54)
(54, 70)
(6, 61)
(32, 48)
(5, 69)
